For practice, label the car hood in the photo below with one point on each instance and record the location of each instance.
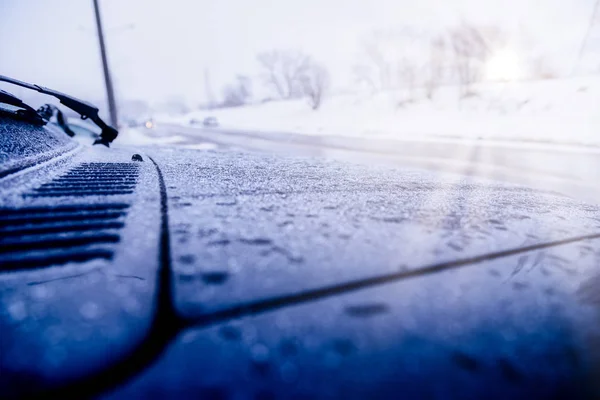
(233, 263)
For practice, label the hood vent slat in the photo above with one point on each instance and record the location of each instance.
(92, 179)
(43, 236)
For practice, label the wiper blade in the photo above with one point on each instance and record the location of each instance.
(25, 109)
(83, 108)
(47, 111)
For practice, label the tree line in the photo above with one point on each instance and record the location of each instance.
(387, 60)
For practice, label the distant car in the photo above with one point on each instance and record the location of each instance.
(209, 122)
(139, 122)
(131, 123)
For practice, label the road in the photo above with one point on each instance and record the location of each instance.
(570, 170)
(227, 273)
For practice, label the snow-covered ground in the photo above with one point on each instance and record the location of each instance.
(560, 111)
(142, 136)
(145, 137)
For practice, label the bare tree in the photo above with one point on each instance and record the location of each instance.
(315, 82)
(436, 65)
(472, 46)
(392, 59)
(238, 93)
(407, 73)
(270, 62)
(382, 66)
(470, 50)
(283, 71)
(232, 96)
(374, 68)
(245, 86)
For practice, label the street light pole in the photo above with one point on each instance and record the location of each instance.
(110, 94)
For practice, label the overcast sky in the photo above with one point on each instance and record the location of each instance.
(53, 42)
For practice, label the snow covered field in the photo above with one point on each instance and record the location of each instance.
(558, 111)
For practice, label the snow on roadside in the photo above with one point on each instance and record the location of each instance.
(144, 136)
(151, 137)
(557, 111)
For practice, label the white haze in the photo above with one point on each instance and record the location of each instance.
(172, 43)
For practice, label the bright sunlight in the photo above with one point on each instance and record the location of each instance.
(504, 65)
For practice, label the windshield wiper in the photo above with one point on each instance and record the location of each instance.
(24, 109)
(48, 111)
(83, 108)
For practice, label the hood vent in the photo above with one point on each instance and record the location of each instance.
(38, 237)
(92, 179)
(42, 236)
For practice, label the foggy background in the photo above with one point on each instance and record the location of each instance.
(182, 51)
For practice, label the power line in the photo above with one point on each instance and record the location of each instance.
(585, 38)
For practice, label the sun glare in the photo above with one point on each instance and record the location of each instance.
(504, 65)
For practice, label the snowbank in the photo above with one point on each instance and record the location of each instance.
(563, 111)
(143, 136)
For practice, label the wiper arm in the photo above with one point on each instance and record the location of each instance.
(83, 108)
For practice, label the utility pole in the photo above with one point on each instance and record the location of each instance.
(110, 94)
